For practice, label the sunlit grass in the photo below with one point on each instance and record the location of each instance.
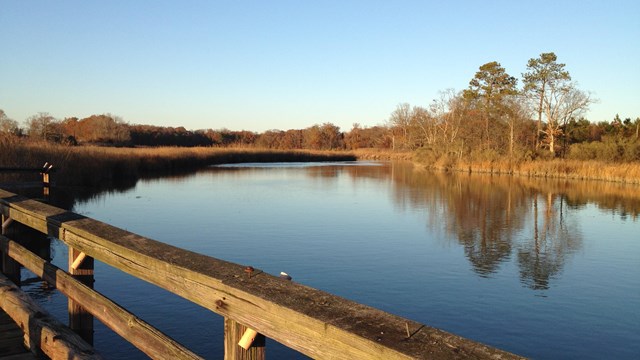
(557, 168)
(95, 166)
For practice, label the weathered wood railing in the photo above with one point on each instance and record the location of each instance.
(313, 322)
(45, 171)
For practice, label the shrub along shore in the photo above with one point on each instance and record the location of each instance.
(95, 166)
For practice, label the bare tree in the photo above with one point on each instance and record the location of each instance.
(401, 119)
(424, 125)
(447, 110)
(8, 126)
(517, 113)
(562, 101)
(44, 127)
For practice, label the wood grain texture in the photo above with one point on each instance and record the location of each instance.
(233, 331)
(42, 331)
(80, 319)
(139, 333)
(11, 338)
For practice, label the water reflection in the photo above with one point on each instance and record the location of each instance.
(443, 249)
(495, 218)
(555, 236)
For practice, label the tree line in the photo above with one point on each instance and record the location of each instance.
(492, 118)
(111, 130)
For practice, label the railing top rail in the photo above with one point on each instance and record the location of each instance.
(316, 323)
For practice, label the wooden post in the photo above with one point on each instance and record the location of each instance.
(45, 185)
(45, 179)
(80, 320)
(9, 267)
(233, 332)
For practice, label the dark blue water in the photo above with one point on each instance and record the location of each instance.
(544, 269)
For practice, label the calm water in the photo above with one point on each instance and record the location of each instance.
(544, 269)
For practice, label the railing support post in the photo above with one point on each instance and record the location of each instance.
(80, 320)
(45, 179)
(9, 267)
(233, 332)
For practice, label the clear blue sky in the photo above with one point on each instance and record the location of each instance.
(259, 65)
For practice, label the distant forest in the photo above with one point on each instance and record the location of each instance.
(492, 119)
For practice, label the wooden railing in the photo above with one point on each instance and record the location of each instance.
(45, 171)
(313, 322)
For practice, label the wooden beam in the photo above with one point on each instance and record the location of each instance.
(233, 332)
(139, 333)
(78, 260)
(80, 319)
(8, 266)
(5, 224)
(42, 331)
(316, 323)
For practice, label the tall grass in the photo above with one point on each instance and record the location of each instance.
(106, 166)
(624, 172)
(382, 154)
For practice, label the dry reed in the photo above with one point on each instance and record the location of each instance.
(105, 166)
(93, 165)
(557, 168)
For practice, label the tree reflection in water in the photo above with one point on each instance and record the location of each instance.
(554, 237)
(497, 217)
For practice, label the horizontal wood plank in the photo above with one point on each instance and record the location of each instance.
(139, 333)
(42, 331)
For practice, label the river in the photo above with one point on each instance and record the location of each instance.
(547, 269)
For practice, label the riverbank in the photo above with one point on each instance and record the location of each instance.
(95, 166)
(628, 173)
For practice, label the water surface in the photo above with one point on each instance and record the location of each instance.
(544, 269)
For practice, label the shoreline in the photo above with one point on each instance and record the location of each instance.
(628, 173)
(591, 170)
(102, 166)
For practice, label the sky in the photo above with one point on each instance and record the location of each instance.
(260, 65)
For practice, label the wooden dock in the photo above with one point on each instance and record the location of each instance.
(313, 322)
